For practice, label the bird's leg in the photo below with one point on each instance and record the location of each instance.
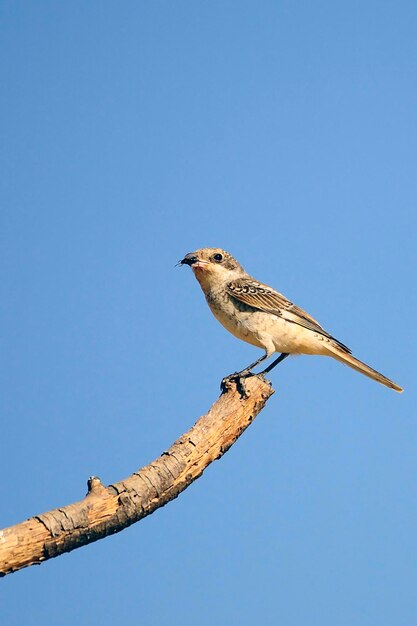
(250, 367)
(274, 363)
(247, 370)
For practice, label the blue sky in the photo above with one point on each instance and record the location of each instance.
(134, 133)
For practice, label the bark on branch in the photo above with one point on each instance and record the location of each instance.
(108, 510)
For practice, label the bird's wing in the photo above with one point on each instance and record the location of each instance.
(264, 298)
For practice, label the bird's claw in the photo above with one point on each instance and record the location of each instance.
(238, 378)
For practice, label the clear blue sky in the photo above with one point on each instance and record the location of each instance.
(285, 132)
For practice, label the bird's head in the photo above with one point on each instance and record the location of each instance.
(212, 265)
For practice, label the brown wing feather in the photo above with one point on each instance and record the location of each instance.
(264, 298)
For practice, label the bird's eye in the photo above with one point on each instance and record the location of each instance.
(218, 257)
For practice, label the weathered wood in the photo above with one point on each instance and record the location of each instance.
(108, 510)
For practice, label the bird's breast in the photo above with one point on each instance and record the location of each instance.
(236, 317)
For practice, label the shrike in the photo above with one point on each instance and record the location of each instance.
(263, 317)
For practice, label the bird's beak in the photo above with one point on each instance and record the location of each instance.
(189, 259)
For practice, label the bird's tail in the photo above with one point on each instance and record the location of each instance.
(348, 359)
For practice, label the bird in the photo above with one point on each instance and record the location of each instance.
(258, 314)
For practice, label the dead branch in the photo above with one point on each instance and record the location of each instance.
(108, 510)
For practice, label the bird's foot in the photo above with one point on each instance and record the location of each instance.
(238, 378)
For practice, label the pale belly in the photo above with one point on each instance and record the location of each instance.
(269, 332)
